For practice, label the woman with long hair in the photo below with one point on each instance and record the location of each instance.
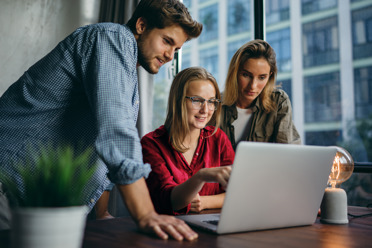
(190, 160)
(254, 108)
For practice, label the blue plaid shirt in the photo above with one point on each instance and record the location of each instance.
(83, 93)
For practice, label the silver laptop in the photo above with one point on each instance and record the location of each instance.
(271, 186)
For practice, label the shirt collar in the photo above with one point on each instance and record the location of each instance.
(205, 132)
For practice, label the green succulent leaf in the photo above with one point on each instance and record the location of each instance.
(57, 178)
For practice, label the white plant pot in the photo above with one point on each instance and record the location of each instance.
(48, 227)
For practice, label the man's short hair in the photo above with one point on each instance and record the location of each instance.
(165, 13)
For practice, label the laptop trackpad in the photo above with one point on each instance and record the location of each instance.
(205, 221)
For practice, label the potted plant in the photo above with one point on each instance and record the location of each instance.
(48, 211)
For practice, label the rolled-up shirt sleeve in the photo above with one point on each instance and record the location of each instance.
(111, 86)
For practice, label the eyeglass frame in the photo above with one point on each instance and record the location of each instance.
(201, 104)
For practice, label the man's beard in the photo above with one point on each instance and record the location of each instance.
(145, 63)
(142, 59)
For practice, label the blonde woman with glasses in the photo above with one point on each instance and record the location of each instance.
(190, 160)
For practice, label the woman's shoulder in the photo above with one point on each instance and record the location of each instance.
(280, 96)
(208, 131)
(280, 93)
(157, 133)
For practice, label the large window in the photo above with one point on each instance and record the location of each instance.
(324, 59)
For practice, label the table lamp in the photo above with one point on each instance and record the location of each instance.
(333, 209)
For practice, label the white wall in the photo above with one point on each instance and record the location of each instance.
(29, 29)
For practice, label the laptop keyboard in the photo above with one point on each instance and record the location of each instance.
(212, 222)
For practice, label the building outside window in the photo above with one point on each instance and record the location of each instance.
(280, 40)
(186, 61)
(320, 42)
(363, 92)
(276, 11)
(161, 89)
(209, 59)
(209, 17)
(286, 85)
(187, 3)
(313, 6)
(322, 98)
(233, 46)
(362, 33)
(238, 16)
(330, 137)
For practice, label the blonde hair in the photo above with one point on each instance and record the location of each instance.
(176, 121)
(252, 49)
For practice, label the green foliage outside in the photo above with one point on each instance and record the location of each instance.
(359, 145)
(364, 128)
(56, 179)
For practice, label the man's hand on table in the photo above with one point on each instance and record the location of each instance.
(164, 226)
(137, 199)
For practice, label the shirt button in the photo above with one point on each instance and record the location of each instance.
(92, 200)
(137, 102)
(196, 154)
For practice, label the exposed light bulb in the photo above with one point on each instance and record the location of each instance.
(342, 168)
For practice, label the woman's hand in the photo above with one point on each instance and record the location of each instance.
(219, 175)
(184, 193)
(196, 204)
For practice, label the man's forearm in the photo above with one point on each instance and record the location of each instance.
(137, 199)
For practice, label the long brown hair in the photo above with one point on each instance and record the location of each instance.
(165, 13)
(252, 49)
(176, 121)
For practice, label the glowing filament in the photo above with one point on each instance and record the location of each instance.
(335, 172)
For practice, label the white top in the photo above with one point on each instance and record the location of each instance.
(241, 127)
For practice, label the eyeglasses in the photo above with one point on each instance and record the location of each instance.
(198, 102)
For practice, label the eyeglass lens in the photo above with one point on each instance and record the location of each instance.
(198, 103)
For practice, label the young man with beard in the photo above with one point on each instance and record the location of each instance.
(84, 93)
